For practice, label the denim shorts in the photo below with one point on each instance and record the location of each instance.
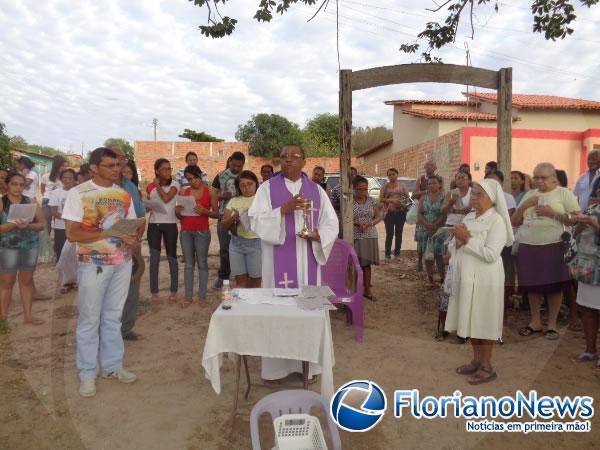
(13, 260)
(245, 257)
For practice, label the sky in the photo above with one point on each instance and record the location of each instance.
(74, 73)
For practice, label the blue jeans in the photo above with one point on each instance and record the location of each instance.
(195, 250)
(102, 290)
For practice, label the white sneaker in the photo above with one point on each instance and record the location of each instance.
(122, 374)
(87, 388)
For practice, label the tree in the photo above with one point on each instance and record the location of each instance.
(553, 18)
(6, 159)
(366, 137)
(123, 144)
(267, 133)
(321, 135)
(198, 136)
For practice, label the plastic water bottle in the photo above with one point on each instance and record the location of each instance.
(226, 295)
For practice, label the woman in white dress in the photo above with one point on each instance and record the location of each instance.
(476, 306)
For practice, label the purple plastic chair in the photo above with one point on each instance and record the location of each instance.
(295, 401)
(334, 275)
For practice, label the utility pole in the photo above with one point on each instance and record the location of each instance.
(155, 124)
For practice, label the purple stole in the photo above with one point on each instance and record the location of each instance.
(284, 256)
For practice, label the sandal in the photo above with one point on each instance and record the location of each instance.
(468, 369)
(441, 336)
(172, 299)
(551, 335)
(483, 375)
(575, 326)
(202, 302)
(187, 302)
(155, 299)
(528, 331)
(586, 356)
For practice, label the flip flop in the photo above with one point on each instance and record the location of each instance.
(551, 335)
(468, 369)
(528, 331)
(480, 378)
(586, 356)
(172, 299)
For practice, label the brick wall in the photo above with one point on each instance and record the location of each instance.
(212, 157)
(445, 150)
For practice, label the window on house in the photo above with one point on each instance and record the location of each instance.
(220, 153)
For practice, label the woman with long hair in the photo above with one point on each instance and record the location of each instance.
(245, 254)
(395, 198)
(195, 233)
(19, 246)
(162, 226)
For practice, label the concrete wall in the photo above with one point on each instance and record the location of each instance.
(380, 153)
(212, 157)
(566, 150)
(409, 130)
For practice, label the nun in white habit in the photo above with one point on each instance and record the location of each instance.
(476, 305)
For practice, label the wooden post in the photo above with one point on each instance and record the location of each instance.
(504, 115)
(346, 216)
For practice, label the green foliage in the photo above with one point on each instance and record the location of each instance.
(321, 135)
(123, 144)
(366, 137)
(6, 159)
(553, 18)
(267, 133)
(198, 136)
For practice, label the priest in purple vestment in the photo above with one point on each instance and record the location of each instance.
(289, 261)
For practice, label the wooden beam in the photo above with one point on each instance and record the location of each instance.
(423, 73)
(504, 114)
(346, 202)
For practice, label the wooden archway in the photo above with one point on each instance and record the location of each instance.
(418, 73)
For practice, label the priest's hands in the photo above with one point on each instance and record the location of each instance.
(297, 202)
(314, 236)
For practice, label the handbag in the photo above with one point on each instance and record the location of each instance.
(411, 215)
(569, 246)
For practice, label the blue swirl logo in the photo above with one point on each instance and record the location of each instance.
(360, 419)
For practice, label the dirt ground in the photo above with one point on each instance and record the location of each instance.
(172, 405)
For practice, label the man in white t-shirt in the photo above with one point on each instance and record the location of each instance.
(583, 188)
(104, 269)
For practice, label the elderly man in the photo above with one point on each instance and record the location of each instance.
(421, 187)
(583, 188)
(289, 260)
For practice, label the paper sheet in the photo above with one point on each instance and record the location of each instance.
(155, 206)
(24, 212)
(245, 221)
(188, 203)
(125, 226)
(289, 292)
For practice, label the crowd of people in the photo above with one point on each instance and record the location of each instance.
(486, 242)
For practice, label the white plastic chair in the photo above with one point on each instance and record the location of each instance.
(295, 401)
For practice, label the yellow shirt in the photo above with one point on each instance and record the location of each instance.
(241, 204)
(538, 230)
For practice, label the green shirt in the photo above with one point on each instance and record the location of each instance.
(241, 204)
(538, 230)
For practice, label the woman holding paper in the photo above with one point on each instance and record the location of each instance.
(19, 245)
(195, 235)
(162, 226)
(245, 254)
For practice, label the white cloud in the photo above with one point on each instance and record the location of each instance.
(79, 71)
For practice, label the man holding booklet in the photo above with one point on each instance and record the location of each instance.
(91, 211)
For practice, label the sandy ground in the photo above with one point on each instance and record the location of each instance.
(172, 405)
